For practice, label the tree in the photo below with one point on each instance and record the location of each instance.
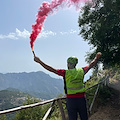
(3, 117)
(100, 26)
(35, 113)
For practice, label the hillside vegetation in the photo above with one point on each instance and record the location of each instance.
(11, 98)
(107, 103)
(107, 108)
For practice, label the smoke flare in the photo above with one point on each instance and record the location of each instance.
(45, 9)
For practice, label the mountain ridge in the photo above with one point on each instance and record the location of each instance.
(37, 84)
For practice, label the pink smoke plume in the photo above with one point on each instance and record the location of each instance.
(45, 9)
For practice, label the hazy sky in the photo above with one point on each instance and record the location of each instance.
(59, 39)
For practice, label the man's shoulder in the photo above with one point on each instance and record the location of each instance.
(85, 69)
(61, 72)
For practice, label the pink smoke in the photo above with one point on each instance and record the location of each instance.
(45, 9)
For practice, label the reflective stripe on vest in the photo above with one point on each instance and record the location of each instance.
(75, 88)
(74, 81)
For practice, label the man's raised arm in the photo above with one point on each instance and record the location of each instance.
(94, 61)
(47, 67)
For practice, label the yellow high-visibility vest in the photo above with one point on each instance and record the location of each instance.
(74, 81)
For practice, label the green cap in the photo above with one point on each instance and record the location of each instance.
(72, 59)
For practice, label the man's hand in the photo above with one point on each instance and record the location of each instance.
(94, 61)
(37, 59)
(98, 55)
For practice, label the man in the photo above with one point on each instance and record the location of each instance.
(73, 85)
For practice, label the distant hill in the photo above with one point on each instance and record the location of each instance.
(37, 84)
(10, 99)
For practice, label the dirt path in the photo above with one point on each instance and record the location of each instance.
(106, 113)
(110, 111)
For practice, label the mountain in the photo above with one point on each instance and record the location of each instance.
(37, 84)
(11, 98)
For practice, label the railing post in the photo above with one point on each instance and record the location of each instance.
(61, 109)
(49, 110)
(94, 99)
